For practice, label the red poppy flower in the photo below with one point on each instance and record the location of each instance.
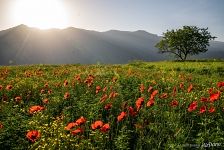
(77, 131)
(203, 99)
(105, 89)
(212, 109)
(132, 112)
(18, 98)
(193, 106)
(154, 93)
(42, 91)
(210, 91)
(98, 88)
(33, 135)
(108, 106)
(214, 97)
(174, 91)
(163, 96)
(34, 109)
(105, 127)
(174, 103)
(142, 88)
(97, 125)
(121, 116)
(103, 98)
(220, 84)
(202, 109)
(1, 87)
(8, 87)
(1, 125)
(78, 78)
(70, 125)
(45, 101)
(80, 121)
(150, 89)
(46, 85)
(190, 88)
(67, 95)
(113, 94)
(150, 103)
(139, 103)
(66, 83)
(182, 86)
(49, 91)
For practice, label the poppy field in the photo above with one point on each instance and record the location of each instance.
(140, 105)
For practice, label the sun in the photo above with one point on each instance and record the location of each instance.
(43, 14)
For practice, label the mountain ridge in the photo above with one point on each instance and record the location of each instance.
(28, 45)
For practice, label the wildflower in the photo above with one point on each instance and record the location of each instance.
(202, 109)
(66, 83)
(150, 103)
(220, 84)
(190, 88)
(98, 88)
(49, 91)
(1, 125)
(33, 135)
(139, 103)
(108, 106)
(70, 125)
(42, 91)
(114, 79)
(121, 116)
(45, 101)
(182, 85)
(18, 98)
(103, 98)
(164, 95)
(1, 87)
(105, 127)
(154, 93)
(97, 125)
(174, 103)
(214, 97)
(80, 121)
(212, 109)
(78, 78)
(174, 91)
(132, 112)
(193, 106)
(77, 131)
(36, 108)
(210, 91)
(46, 85)
(142, 88)
(113, 94)
(203, 99)
(8, 87)
(66, 95)
(150, 89)
(105, 89)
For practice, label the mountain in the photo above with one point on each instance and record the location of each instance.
(26, 45)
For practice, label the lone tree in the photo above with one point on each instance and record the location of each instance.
(190, 40)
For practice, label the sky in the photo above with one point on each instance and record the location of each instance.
(154, 16)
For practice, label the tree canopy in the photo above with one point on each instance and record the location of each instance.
(190, 40)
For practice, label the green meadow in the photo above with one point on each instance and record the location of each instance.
(140, 105)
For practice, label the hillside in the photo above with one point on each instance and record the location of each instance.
(25, 45)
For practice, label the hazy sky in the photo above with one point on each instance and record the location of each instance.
(154, 16)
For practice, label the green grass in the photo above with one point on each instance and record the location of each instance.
(160, 126)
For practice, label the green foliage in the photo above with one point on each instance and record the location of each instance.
(190, 40)
(159, 126)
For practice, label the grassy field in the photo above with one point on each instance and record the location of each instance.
(140, 105)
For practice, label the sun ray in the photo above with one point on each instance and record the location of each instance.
(42, 14)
